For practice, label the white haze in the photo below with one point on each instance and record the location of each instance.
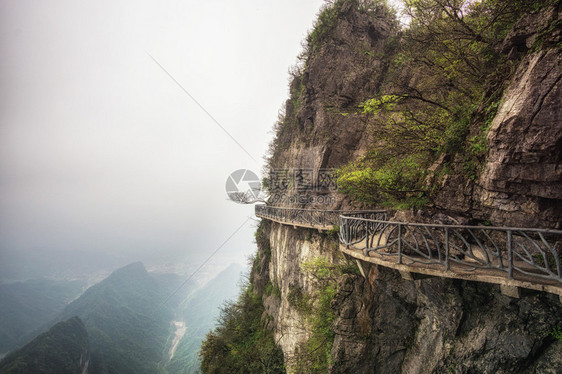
(103, 159)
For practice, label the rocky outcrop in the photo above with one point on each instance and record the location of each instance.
(289, 248)
(521, 182)
(386, 324)
(321, 128)
(373, 332)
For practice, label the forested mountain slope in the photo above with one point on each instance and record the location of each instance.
(64, 349)
(126, 320)
(27, 306)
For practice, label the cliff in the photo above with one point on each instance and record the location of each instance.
(521, 181)
(345, 64)
(434, 133)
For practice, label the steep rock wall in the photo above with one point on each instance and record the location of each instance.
(321, 127)
(290, 247)
(386, 324)
(521, 183)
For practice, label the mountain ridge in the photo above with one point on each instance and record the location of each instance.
(63, 349)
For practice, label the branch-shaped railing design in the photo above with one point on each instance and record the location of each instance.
(314, 217)
(515, 252)
(531, 252)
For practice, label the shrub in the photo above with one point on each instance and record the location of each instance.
(240, 343)
(314, 355)
(442, 92)
(380, 181)
(557, 333)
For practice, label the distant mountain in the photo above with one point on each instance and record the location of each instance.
(200, 312)
(127, 317)
(64, 349)
(27, 306)
(127, 323)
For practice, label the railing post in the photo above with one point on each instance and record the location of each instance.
(447, 265)
(367, 236)
(344, 229)
(509, 255)
(365, 226)
(399, 243)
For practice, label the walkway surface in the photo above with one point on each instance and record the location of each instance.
(511, 257)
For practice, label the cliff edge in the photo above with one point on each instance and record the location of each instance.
(455, 119)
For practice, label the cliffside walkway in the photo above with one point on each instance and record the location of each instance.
(511, 257)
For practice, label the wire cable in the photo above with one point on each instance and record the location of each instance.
(204, 262)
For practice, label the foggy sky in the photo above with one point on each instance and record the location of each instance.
(102, 154)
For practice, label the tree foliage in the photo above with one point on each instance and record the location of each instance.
(241, 344)
(445, 81)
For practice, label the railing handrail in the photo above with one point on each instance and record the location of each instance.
(321, 210)
(509, 249)
(316, 218)
(528, 251)
(441, 225)
(419, 224)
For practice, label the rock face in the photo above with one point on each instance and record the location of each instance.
(386, 324)
(521, 183)
(347, 69)
(289, 248)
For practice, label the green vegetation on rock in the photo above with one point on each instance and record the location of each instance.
(440, 94)
(314, 355)
(243, 341)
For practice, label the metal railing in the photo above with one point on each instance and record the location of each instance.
(520, 251)
(526, 251)
(314, 217)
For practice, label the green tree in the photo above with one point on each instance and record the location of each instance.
(444, 84)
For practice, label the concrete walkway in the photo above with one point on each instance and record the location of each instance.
(413, 267)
